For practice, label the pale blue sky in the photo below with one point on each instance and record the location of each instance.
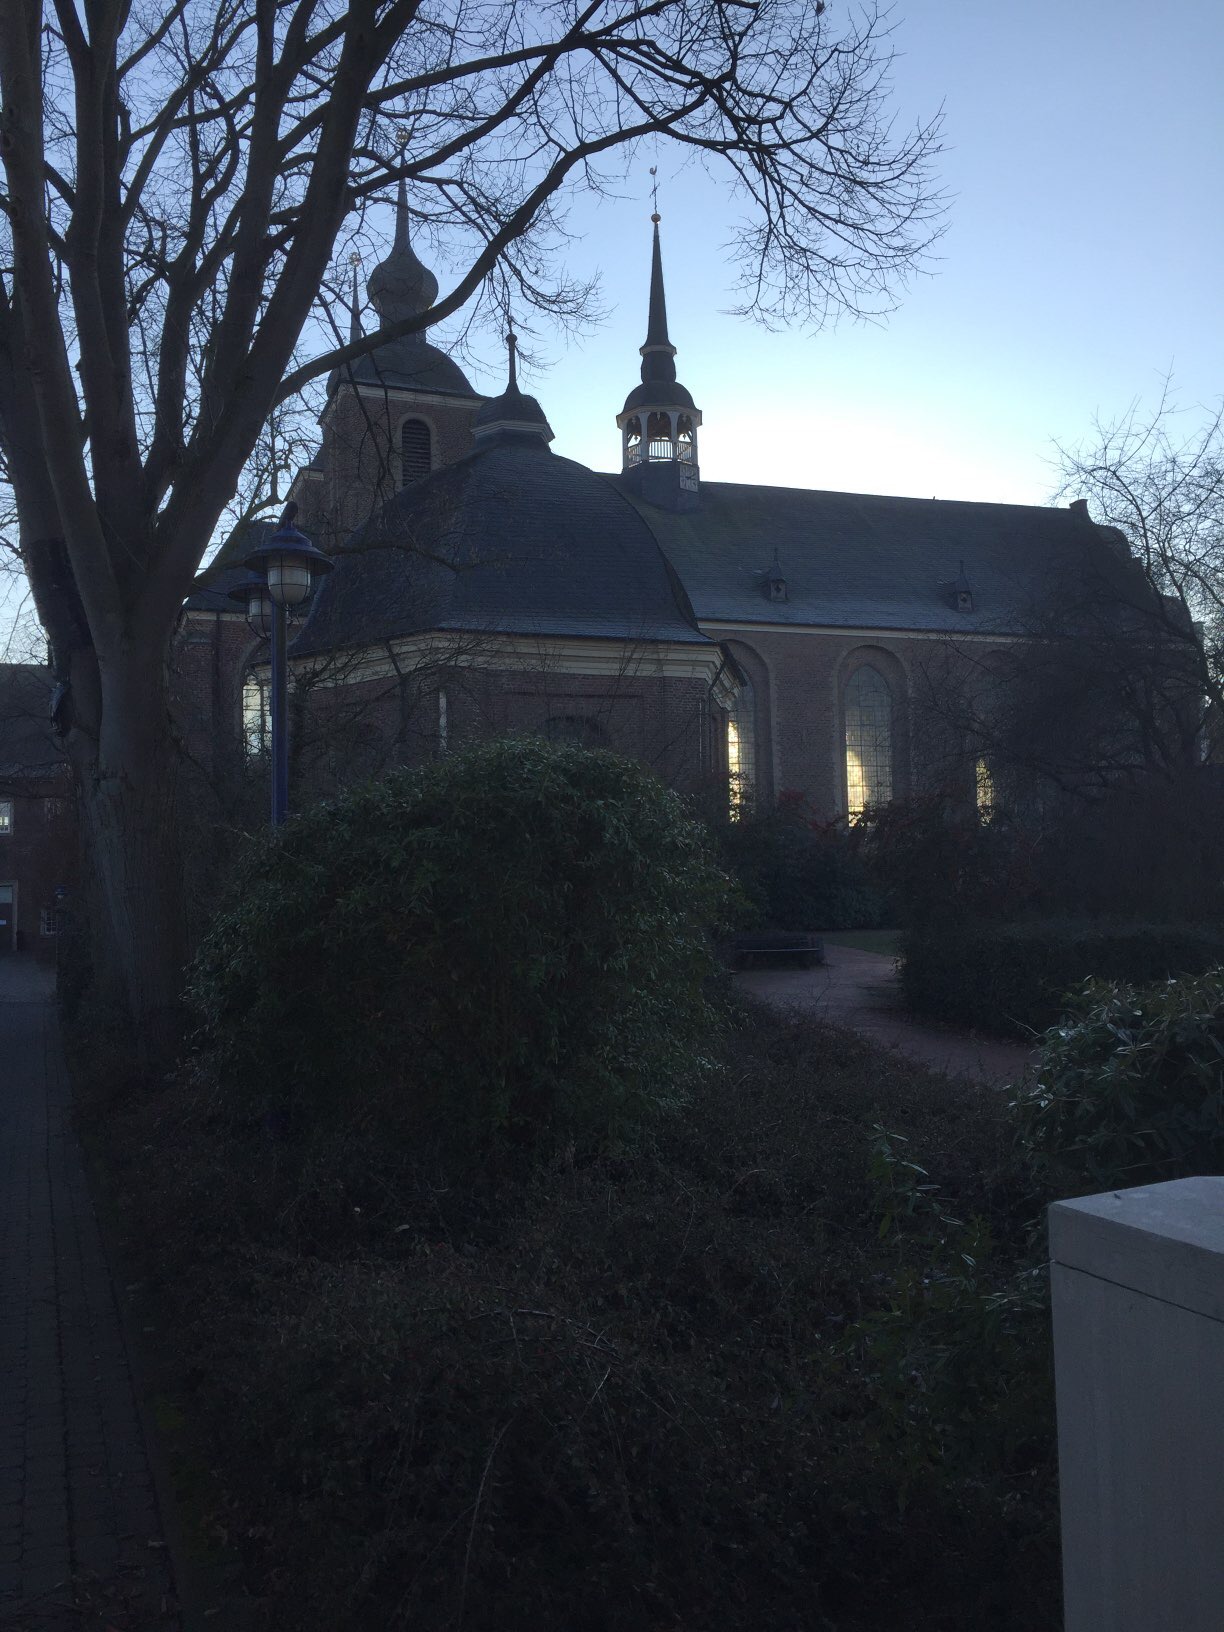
(1084, 146)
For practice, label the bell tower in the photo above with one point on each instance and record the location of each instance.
(659, 421)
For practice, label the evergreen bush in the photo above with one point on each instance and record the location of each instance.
(796, 873)
(1130, 1089)
(511, 942)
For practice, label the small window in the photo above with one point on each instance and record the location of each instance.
(416, 451)
(48, 921)
(53, 809)
(6, 816)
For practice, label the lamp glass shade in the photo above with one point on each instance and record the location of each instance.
(288, 579)
(259, 609)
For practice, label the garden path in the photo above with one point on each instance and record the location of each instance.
(81, 1541)
(860, 990)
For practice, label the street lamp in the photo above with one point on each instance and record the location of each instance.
(283, 570)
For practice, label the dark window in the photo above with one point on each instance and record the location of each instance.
(416, 451)
(578, 730)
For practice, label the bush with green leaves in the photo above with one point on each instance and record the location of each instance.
(510, 942)
(1015, 978)
(798, 873)
(1130, 1088)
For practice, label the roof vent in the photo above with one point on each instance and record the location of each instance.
(775, 584)
(962, 593)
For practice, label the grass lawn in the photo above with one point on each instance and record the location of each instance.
(746, 1375)
(887, 941)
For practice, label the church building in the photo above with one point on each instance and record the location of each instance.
(736, 637)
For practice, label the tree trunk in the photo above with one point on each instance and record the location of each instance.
(126, 761)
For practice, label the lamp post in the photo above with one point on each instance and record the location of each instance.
(283, 569)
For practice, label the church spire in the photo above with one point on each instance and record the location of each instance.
(402, 285)
(659, 421)
(658, 353)
(512, 417)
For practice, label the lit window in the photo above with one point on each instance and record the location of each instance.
(985, 791)
(416, 451)
(741, 750)
(869, 778)
(48, 921)
(6, 816)
(256, 717)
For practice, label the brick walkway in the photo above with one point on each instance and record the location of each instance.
(81, 1544)
(859, 990)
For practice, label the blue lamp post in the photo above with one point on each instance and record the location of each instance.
(283, 570)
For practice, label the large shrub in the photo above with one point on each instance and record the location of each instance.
(1014, 978)
(797, 873)
(1130, 1088)
(510, 941)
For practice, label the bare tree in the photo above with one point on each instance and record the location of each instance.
(175, 181)
(1157, 478)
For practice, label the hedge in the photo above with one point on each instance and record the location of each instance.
(1015, 978)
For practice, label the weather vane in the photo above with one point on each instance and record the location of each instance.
(654, 193)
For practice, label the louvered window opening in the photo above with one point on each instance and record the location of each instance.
(416, 451)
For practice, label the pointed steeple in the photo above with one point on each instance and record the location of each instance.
(659, 421)
(658, 354)
(513, 416)
(402, 285)
(354, 304)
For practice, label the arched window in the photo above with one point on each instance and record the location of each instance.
(256, 717)
(869, 741)
(741, 750)
(416, 451)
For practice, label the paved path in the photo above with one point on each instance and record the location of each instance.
(81, 1545)
(859, 990)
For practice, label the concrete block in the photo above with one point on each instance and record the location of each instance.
(1137, 1281)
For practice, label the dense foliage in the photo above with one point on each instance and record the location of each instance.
(1130, 1088)
(797, 873)
(512, 941)
(1015, 978)
(735, 1376)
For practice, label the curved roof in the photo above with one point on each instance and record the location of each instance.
(659, 394)
(511, 539)
(409, 364)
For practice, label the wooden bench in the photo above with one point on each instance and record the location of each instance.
(808, 948)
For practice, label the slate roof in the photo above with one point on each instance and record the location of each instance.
(511, 539)
(410, 364)
(210, 592)
(870, 561)
(29, 747)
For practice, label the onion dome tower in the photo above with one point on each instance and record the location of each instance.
(400, 287)
(659, 421)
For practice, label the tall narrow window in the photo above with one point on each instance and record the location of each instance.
(256, 718)
(741, 750)
(416, 451)
(985, 790)
(869, 746)
(6, 816)
(443, 723)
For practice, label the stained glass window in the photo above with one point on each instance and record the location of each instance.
(869, 749)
